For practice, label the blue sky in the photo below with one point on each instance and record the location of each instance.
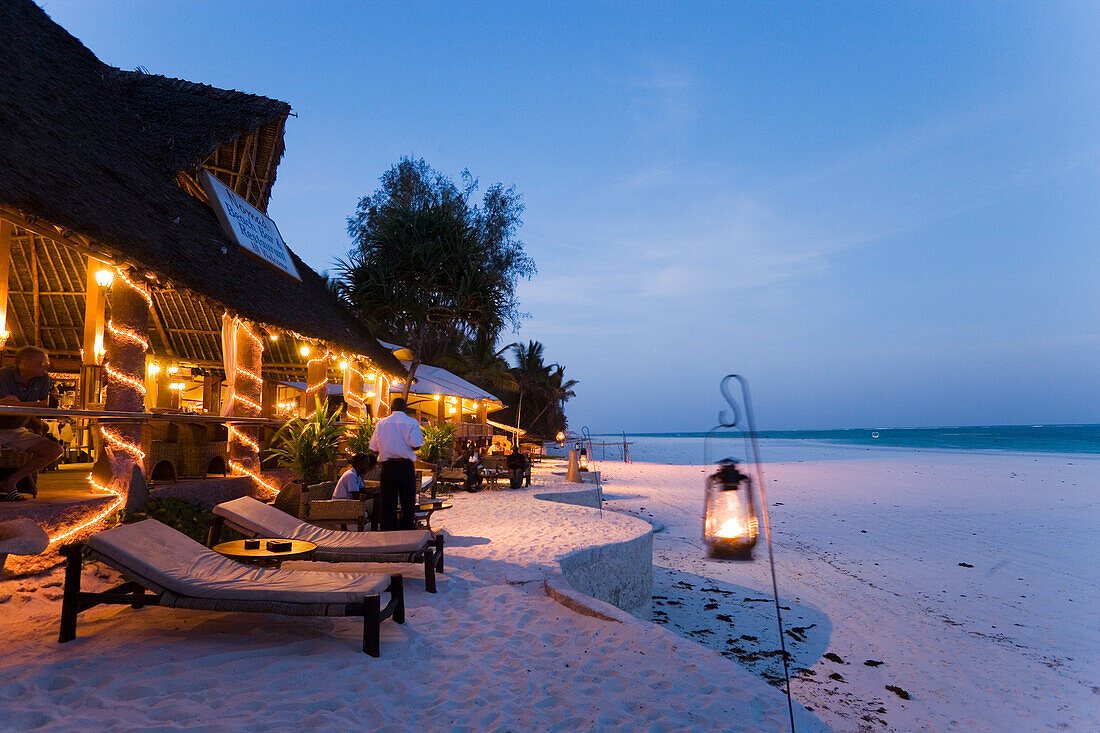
(884, 214)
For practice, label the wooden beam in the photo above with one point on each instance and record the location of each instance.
(94, 315)
(6, 232)
(158, 321)
(34, 284)
(265, 187)
(69, 239)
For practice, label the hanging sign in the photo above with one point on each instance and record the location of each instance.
(248, 226)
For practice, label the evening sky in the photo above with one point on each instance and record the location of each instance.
(884, 214)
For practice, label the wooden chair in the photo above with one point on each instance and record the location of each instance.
(318, 507)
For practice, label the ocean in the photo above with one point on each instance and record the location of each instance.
(786, 445)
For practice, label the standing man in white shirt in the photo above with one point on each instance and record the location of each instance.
(396, 439)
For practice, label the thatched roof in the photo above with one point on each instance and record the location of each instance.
(104, 157)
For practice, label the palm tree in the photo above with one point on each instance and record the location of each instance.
(558, 390)
(530, 372)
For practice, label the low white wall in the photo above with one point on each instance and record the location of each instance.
(620, 573)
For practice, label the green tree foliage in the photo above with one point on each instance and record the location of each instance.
(427, 269)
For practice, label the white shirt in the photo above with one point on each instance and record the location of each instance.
(350, 481)
(396, 438)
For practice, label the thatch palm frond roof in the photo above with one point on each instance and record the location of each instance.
(98, 153)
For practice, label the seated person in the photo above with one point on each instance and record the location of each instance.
(517, 466)
(26, 385)
(352, 479)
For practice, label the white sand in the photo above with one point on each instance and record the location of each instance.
(490, 651)
(868, 548)
(1010, 644)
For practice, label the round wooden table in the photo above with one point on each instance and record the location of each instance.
(425, 509)
(299, 550)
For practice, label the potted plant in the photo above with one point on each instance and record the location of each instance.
(309, 446)
(359, 438)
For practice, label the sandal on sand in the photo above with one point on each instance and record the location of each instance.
(13, 495)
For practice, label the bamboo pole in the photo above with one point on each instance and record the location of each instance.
(7, 231)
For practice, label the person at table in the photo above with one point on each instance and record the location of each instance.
(517, 465)
(472, 464)
(352, 479)
(396, 439)
(26, 385)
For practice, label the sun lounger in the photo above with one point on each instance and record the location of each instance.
(253, 518)
(168, 568)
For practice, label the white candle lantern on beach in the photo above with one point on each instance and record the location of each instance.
(729, 519)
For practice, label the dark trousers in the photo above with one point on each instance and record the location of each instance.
(515, 478)
(398, 481)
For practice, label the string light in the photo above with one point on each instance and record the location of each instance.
(314, 387)
(125, 334)
(235, 434)
(234, 396)
(250, 374)
(248, 332)
(321, 358)
(117, 442)
(234, 466)
(128, 381)
(111, 509)
(142, 290)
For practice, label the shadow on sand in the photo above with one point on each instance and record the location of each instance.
(739, 622)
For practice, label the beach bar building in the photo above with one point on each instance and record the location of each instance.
(135, 249)
(440, 396)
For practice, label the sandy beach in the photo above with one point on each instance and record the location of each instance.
(968, 575)
(869, 551)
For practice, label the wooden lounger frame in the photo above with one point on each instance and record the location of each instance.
(431, 556)
(142, 592)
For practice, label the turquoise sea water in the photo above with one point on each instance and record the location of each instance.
(795, 445)
(1026, 438)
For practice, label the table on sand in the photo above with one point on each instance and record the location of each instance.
(299, 550)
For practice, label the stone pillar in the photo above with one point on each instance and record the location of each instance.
(126, 343)
(316, 383)
(247, 395)
(353, 390)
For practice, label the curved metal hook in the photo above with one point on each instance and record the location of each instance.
(722, 419)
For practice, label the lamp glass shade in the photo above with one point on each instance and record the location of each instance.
(730, 525)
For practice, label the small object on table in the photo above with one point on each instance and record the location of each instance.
(264, 554)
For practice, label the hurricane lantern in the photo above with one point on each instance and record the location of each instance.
(729, 522)
(583, 461)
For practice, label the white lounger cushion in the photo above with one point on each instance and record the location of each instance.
(177, 563)
(266, 520)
